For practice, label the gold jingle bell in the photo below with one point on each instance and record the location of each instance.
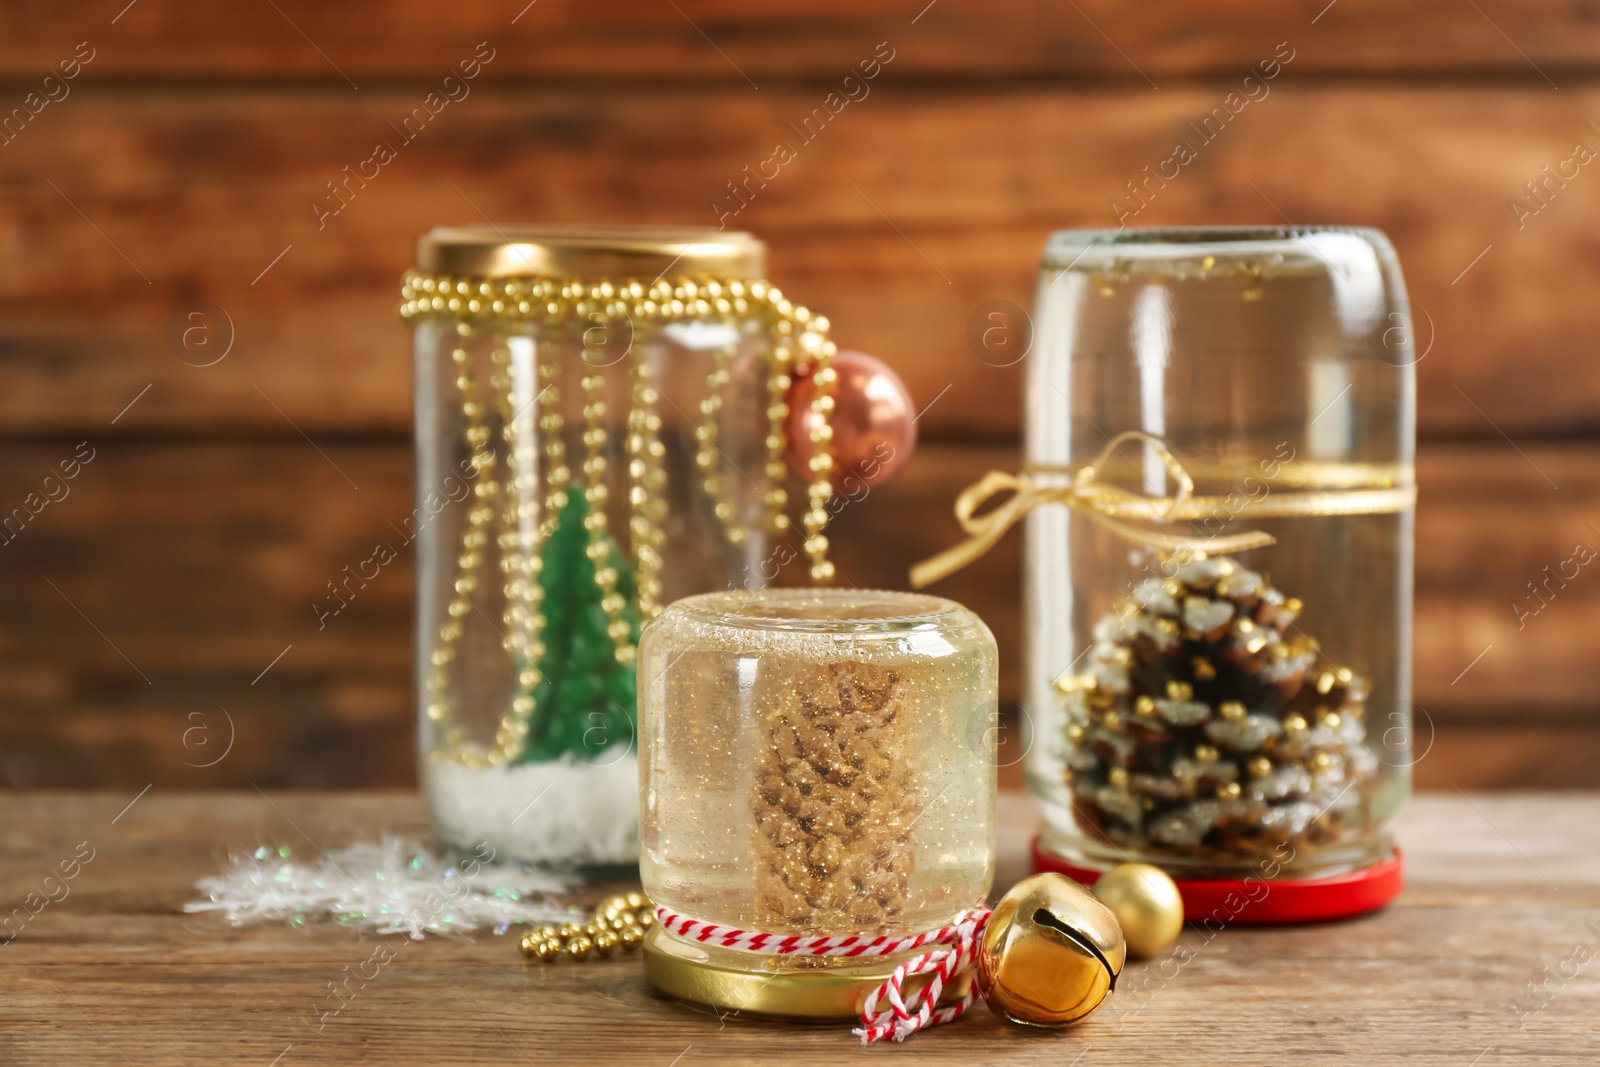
(1050, 954)
(1147, 904)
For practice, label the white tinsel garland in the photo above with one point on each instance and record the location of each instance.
(395, 886)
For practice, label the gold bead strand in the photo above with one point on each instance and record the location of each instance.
(728, 300)
(815, 344)
(703, 301)
(520, 558)
(779, 378)
(646, 490)
(473, 541)
(551, 426)
(706, 453)
(500, 385)
(619, 922)
(725, 301)
(598, 495)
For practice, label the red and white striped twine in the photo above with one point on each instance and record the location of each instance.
(901, 1017)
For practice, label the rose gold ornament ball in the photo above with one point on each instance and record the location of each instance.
(874, 430)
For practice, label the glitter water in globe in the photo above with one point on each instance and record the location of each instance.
(814, 763)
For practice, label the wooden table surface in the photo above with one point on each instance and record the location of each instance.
(1503, 898)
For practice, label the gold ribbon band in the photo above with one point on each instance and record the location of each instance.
(1109, 507)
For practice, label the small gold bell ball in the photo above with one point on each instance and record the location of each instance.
(1050, 954)
(1147, 904)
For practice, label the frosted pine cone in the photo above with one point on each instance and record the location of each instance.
(1203, 723)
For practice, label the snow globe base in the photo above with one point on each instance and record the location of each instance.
(1254, 902)
(729, 980)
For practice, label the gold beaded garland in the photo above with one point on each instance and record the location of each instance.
(595, 523)
(706, 451)
(618, 922)
(778, 383)
(647, 481)
(540, 948)
(826, 380)
(557, 476)
(520, 560)
(549, 308)
(473, 541)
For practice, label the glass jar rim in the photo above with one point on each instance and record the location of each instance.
(1066, 247)
(818, 610)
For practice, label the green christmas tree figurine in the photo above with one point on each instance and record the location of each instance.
(586, 701)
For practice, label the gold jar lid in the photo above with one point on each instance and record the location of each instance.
(725, 980)
(590, 252)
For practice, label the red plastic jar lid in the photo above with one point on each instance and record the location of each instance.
(1258, 902)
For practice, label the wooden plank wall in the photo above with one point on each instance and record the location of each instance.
(180, 165)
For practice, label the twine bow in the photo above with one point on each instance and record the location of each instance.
(903, 1017)
(1100, 503)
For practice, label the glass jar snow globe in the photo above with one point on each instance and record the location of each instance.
(1220, 427)
(815, 763)
(602, 426)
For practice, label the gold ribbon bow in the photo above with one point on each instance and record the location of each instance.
(1110, 507)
